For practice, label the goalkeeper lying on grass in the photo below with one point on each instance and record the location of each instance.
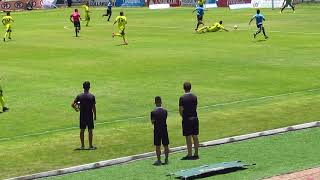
(216, 27)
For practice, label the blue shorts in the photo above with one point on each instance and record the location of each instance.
(199, 17)
(259, 26)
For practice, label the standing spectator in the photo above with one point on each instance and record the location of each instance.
(159, 120)
(87, 103)
(190, 123)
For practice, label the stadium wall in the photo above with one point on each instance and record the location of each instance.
(19, 5)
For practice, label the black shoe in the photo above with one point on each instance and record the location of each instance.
(80, 148)
(157, 163)
(266, 37)
(4, 39)
(10, 38)
(187, 158)
(195, 157)
(92, 148)
(4, 109)
(166, 161)
(254, 35)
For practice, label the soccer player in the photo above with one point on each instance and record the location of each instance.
(109, 10)
(6, 21)
(200, 13)
(75, 19)
(259, 21)
(216, 27)
(122, 21)
(87, 103)
(87, 15)
(2, 101)
(287, 3)
(190, 123)
(201, 2)
(160, 133)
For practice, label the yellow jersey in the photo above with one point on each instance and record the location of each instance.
(7, 20)
(215, 27)
(201, 2)
(86, 9)
(122, 21)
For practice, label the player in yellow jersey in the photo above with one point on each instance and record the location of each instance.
(201, 2)
(216, 27)
(122, 21)
(87, 13)
(6, 21)
(2, 101)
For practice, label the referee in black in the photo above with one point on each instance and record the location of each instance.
(190, 123)
(159, 120)
(87, 103)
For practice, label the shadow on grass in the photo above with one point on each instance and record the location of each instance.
(215, 173)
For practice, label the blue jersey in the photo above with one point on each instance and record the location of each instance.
(259, 18)
(200, 11)
(109, 6)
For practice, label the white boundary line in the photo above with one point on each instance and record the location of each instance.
(141, 117)
(174, 150)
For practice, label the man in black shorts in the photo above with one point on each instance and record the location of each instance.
(190, 123)
(159, 120)
(87, 103)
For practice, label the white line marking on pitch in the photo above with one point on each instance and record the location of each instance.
(141, 117)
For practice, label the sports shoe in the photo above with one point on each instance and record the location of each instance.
(10, 38)
(254, 35)
(187, 158)
(4, 39)
(266, 37)
(195, 157)
(80, 148)
(166, 161)
(92, 148)
(4, 109)
(157, 163)
(113, 35)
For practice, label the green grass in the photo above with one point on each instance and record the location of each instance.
(273, 155)
(43, 68)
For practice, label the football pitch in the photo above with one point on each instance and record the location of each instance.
(273, 155)
(243, 84)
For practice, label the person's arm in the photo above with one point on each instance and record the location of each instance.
(180, 107)
(94, 112)
(71, 18)
(3, 21)
(225, 29)
(74, 105)
(181, 110)
(115, 21)
(152, 119)
(251, 20)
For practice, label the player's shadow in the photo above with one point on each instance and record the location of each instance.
(122, 45)
(260, 40)
(216, 173)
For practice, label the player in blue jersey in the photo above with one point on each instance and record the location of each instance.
(109, 10)
(200, 13)
(259, 21)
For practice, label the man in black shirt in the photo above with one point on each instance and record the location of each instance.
(159, 120)
(190, 123)
(87, 103)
